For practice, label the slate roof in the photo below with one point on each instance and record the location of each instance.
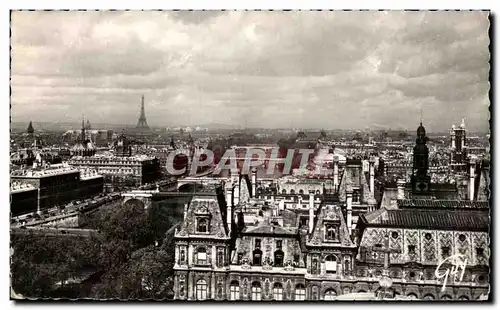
(441, 204)
(429, 219)
(268, 229)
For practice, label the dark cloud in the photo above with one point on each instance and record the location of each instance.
(269, 69)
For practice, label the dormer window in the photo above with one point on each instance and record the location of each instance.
(279, 244)
(257, 243)
(202, 225)
(330, 232)
(355, 195)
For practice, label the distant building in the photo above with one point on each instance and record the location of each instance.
(458, 148)
(54, 185)
(23, 198)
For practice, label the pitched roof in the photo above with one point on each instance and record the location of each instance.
(429, 219)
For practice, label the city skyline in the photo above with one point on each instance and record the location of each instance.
(253, 69)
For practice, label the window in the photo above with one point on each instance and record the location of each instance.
(303, 221)
(463, 298)
(201, 290)
(257, 257)
(277, 291)
(279, 244)
(330, 294)
(330, 232)
(461, 237)
(331, 264)
(278, 258)
(220, 258)
(394, 234)
(202, 225)
(412, 275)
(234, 290)
(411, 249)
(257, 243)
(240, 258)
(183, 257)
(292, 192)
(300, 292)
(412, 296)
(296, 258)
(446, 297)
(201, 256)
(428, 236)
(256, 291)
(479, 251)
(355, 195)
(445, 252)
(301, 192)
(283, 192)
(315, 266)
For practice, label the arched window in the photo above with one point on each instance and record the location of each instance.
(201, 290)
(292, 191)
(278, 291)
(412, 296)
(202, 225)
(201, 256)
(278, 258)
(330, 294)
(301, 191)
(428, 297)
(300, 292)
(355, 195)
(257, 257)
(463, 297)
(318, 192)
(331, 264)
(446, 297)
(234, 290)
(283, 192)
(256, 291)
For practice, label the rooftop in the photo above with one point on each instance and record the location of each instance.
(437, 203)
(16, 187)
(43, 172)
(429, 219)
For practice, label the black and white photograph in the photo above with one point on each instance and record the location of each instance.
(250, 156)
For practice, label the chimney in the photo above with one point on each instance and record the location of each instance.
(335, 173)
(229, 204)
(311, 211)
(472, 177)
(185, 210)
(254, 182)
(372, 176)
(349, 210)
(453, 146)
(401, 189)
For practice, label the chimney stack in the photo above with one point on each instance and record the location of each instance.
(401, 189)
(254, 182)
(349, 210)
(311, 211)
(185, 210)
(472, 177)
(335, 173)
(372, 175)
(229, 204)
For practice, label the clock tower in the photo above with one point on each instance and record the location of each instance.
(420, 181)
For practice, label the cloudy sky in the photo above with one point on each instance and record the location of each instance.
(260, 69)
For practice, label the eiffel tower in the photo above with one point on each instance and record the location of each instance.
(142, 124)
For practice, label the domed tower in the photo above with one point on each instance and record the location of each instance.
(419, 179)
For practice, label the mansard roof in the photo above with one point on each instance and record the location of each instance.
(477, 220)
(324, 214)
(206, 205)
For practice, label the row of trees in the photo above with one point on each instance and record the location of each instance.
(131, 256)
